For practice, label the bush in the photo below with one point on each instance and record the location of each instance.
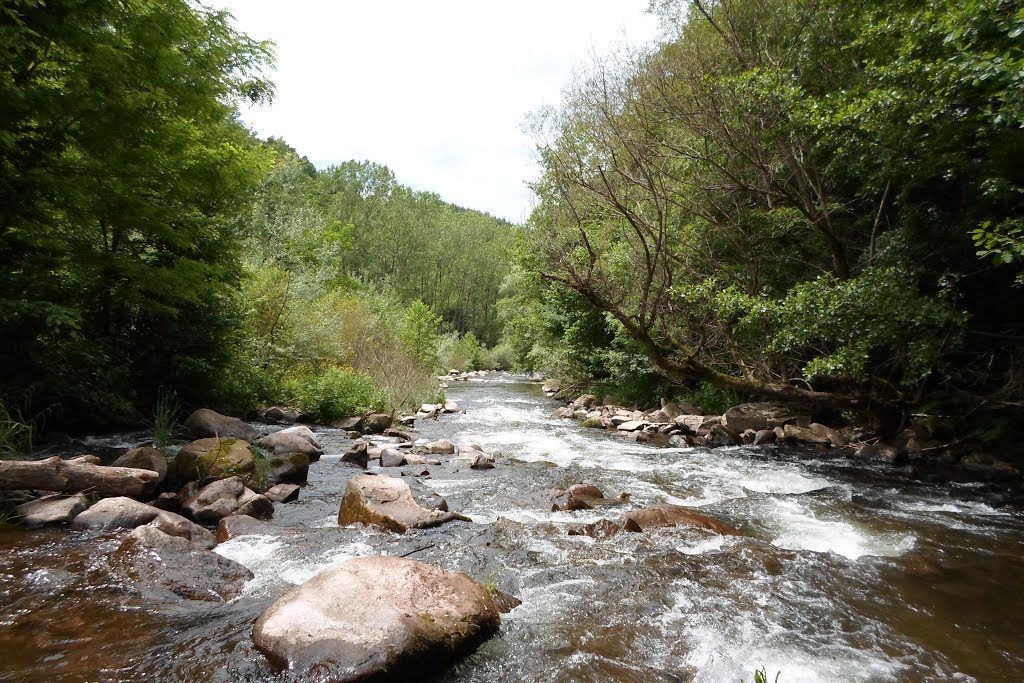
(336, 393)
(501, 357)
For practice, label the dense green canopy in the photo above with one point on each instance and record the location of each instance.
(802, 199)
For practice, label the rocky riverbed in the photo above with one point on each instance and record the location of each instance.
(812, 563)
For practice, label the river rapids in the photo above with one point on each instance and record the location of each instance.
(843, 573)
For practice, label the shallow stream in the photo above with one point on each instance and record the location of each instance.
(843, 574)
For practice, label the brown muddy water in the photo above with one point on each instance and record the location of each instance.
(844, 574)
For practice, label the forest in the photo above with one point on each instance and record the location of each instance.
(786, 199)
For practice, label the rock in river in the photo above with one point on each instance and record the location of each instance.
(663, 515)
(51, 510)
(216, 458)
(125, 513)
(185, 568)
(205, 423)
(145, 458)
(373, 616)
(387, 502)
(298, 439)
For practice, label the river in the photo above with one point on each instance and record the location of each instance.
(843, 574)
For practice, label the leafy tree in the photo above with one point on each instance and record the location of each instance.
(120, 159)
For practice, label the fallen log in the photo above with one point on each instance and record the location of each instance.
(65, 476)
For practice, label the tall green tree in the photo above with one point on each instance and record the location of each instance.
(120, 161)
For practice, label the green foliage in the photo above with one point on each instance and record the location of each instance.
(15, 435)
(121, 160)
(420, 330)
(761, 675)
(336, 393)
(821, 196)
(711, 399)
(166, 414)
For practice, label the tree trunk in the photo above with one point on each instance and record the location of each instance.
(55, 474)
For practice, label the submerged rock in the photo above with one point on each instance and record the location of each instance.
(387, 502)
(374, 616)
(187, 569)
(205, 423)
(663, 515)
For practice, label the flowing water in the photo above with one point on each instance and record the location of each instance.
(842, 574)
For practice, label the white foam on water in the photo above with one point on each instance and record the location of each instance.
(267, 558)
(543, 603)
(950, 506)
(802, 530)
(718, 660)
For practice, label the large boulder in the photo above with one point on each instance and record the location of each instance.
(145, 458)
(290, 468)
(376, 423)
(758, 416)
(225, 497)
(663, 515)
(187, 569)
(298, 439)
(373, 617)
(51, 510)
(216, 458)
(205, 423)
(126, 513)
(388, 503)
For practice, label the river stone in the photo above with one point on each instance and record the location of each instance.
(290, 468)
(145, 458)
(482, 461)
(451, 407)
(758, 416)
(720, 435)
(376, 423)
(629, 426)
(280, 415)
(764, 436)
(388, 503)
(283, 493)
(205, 423)
(238, 525)
(389, 457)
(227, 497)
(187, 569)
(51, 510)
(663, 515)
(126, 513)
(803, 435)
(298, 439)
(359, 455)
(216, 458)
(349, 424)
(395, 433)
(376, 616)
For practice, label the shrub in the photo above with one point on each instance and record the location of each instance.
(711, 399)
(335, 393)
(15, 435)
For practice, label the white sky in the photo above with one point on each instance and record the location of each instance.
(438, 90)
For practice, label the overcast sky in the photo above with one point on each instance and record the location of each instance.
(439, 91)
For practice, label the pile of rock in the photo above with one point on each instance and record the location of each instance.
(407, 453)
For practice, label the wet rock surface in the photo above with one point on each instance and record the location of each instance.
(387, 502)
(376, 615)
(188, 570)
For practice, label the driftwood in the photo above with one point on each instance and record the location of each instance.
(65, 476)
